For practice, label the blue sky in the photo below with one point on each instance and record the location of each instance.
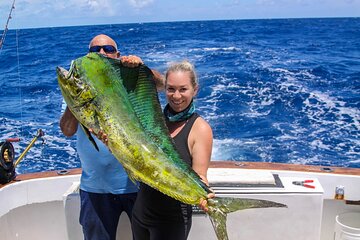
(50, 13)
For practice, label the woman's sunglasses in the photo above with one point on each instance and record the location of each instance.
(106, 48)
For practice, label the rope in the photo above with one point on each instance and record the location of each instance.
(19, 80)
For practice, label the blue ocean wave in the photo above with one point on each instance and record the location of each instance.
(273, 90)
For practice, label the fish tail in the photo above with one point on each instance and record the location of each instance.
(220, 207)
(218, 220)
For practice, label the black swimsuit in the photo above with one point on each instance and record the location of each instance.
(158, 215)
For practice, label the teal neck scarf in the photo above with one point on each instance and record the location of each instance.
(172, 116)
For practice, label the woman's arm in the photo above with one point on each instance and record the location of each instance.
(200, 141)
(200, 145)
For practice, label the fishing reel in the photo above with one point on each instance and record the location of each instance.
(7, 156)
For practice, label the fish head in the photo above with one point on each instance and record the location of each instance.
(74, 85)
(83, 85)
(87, 78)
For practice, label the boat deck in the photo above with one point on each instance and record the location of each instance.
(37, 197)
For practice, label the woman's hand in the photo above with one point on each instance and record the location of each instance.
(203, 202)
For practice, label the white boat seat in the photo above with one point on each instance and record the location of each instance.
(233, 177)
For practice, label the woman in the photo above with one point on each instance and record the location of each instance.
(155, 215)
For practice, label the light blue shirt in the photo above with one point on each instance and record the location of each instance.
(101, 171)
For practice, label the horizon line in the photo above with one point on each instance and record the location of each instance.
(174, 21)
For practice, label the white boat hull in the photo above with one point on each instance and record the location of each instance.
(48, 207)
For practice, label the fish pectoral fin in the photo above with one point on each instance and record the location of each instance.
(90, 137)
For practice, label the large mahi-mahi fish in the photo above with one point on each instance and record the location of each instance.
(123, 102)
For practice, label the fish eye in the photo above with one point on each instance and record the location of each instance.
(76, 76)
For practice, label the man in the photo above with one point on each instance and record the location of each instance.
(105, 189)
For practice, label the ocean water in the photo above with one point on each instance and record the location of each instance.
(283, 91)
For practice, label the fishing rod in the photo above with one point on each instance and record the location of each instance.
(6, 26)
(7, 155)
(39, 134)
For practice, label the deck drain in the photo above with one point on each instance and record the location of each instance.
(62, 172)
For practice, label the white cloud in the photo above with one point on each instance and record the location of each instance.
(266, 2)
(100, 6)
(32, 13)
(66, 9)
(140, 3)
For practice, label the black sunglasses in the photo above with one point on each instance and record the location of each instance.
(106, 48)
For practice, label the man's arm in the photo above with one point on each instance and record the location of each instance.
(68, 123)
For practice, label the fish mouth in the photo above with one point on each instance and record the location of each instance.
(62, 72)
(65, 74)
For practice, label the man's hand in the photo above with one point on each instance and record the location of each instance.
(131, 61)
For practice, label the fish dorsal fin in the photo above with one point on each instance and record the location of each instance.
(144, 98)
(141, 89)
(140, 85)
